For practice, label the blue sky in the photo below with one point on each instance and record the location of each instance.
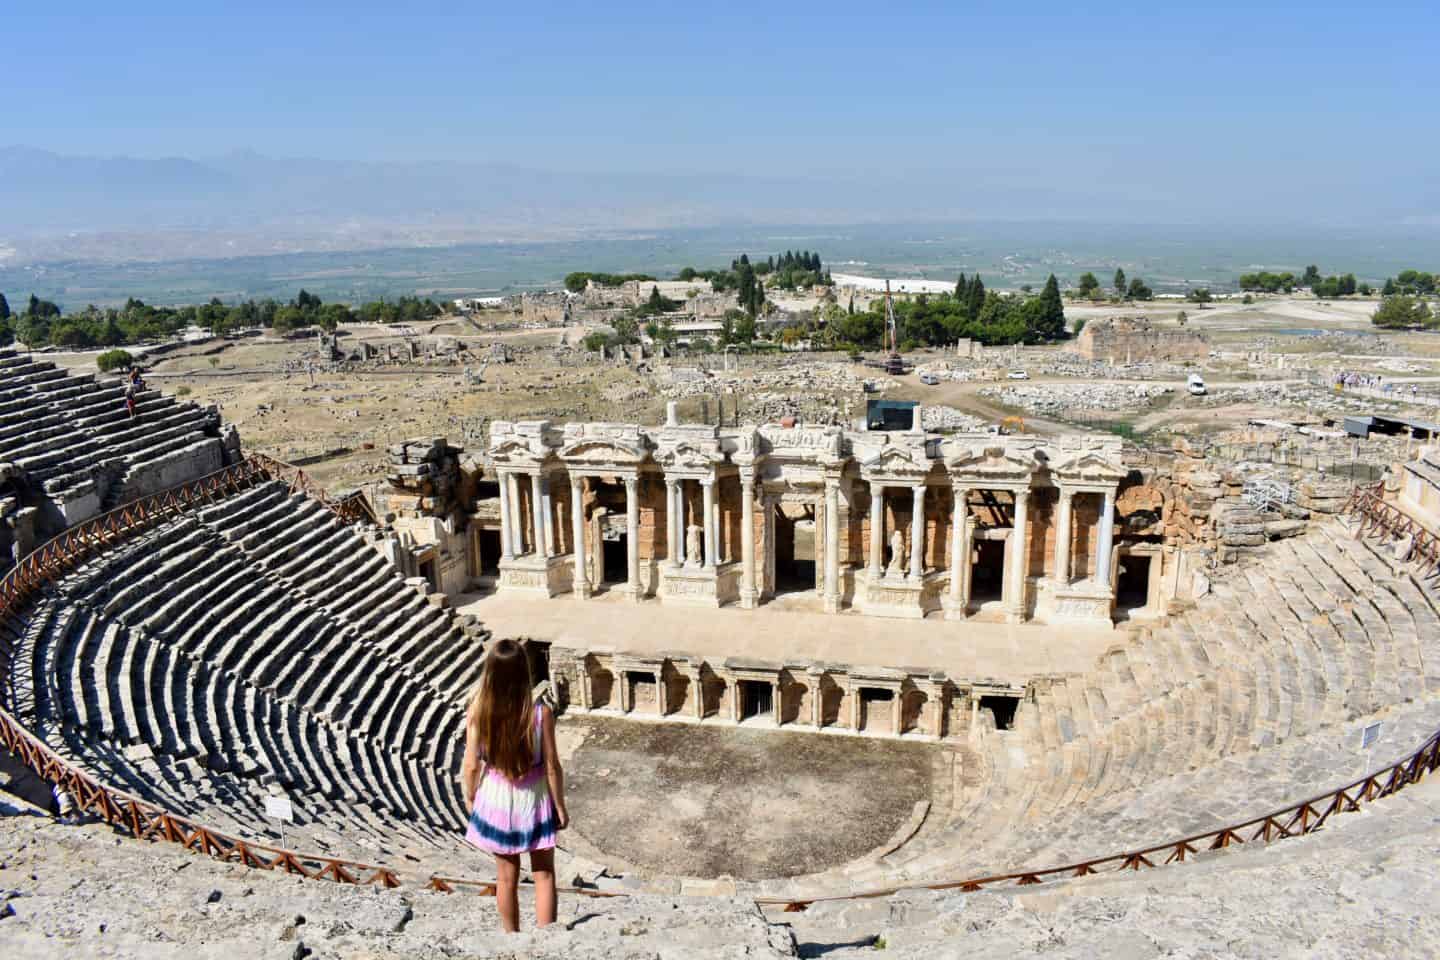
(1223, 100)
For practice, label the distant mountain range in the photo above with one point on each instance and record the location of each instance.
(57, 206)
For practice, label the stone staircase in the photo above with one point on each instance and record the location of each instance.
(78, 450)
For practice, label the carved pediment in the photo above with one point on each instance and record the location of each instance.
(602, 450)
(896, 461)
(515, 449)
(1089, 467)
(994, 462)
(690, 456)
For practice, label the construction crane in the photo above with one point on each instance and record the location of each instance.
(893, 363)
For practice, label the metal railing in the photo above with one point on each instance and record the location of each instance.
(1379, 516)
(148, 821)
(142, 819)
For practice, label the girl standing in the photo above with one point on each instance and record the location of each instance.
(512, 775)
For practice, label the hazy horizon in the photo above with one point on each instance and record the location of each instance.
(162, 133)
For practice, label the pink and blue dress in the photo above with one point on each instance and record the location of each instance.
(514, 816)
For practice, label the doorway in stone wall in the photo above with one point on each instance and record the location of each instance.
(756, 699)
(614, 559)
(1132, 585)
(987, 579)
(796, 570)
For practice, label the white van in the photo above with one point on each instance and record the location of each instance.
(1196, 385)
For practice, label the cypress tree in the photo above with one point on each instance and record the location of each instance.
(1052, 315)
(4, 308)
(961, 288)
(975, 298)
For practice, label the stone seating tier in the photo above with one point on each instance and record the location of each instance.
(66, 431)
(187, 666)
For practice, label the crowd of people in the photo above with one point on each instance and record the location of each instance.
(1349, 380)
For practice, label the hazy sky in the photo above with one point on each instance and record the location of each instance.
(1301, 110)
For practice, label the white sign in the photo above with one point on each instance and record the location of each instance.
(279, 808)
(1369, 735)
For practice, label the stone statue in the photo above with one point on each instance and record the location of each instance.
(897, 555)
(692, 546)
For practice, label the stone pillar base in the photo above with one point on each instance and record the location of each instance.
(831, 604)
(543, 576)
(700, 586)
(749, 599)
(1084, 603)
(954, 609)
(908, 598)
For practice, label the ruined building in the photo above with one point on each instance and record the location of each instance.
(1122, 340)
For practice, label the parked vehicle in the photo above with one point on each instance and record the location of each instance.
(929, 379)
(1018, 375)
(1196, 385)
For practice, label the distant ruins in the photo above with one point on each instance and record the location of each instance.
(1122, 340)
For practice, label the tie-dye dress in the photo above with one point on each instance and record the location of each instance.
(514, 816)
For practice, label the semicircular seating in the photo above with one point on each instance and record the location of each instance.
(257, 644)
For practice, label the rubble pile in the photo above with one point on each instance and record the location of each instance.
(946, 419)
(1060, 399)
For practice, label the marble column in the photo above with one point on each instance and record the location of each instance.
(1062, 537)
(577, 535)
(1019, 561)
(896, 712)
(537, 514)
(632, 536)
(1107, 539)
(748, 593)
(832, 546)
(877, 529)
(507, 536)
(547, 509)
(917, 532)
(517, 525)
(673, 540)
(959, 550)
(712, 551)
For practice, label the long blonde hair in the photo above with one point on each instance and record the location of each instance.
(501, 712)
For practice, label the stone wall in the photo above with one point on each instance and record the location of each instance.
(1129, 341)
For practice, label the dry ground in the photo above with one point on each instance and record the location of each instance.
(261, 386)
(706, 801)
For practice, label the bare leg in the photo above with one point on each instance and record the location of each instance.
(507, 900)
(542, 872)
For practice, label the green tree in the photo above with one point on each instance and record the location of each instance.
(4, 308)
(1139, 291)
(1388, 290)
(1049, 321)
(330, 316)
(1402, 311)
(1119, 282)
(975, 298)
(745, 329)
(288, 318)
(1310, 277)
(960, 288)
(31, 329)
(114, 360)
(1199, 295)
(1088, 285)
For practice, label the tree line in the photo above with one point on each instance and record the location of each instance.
(42, 322)
(1132, 288)
(577, 281)
(970, 312)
